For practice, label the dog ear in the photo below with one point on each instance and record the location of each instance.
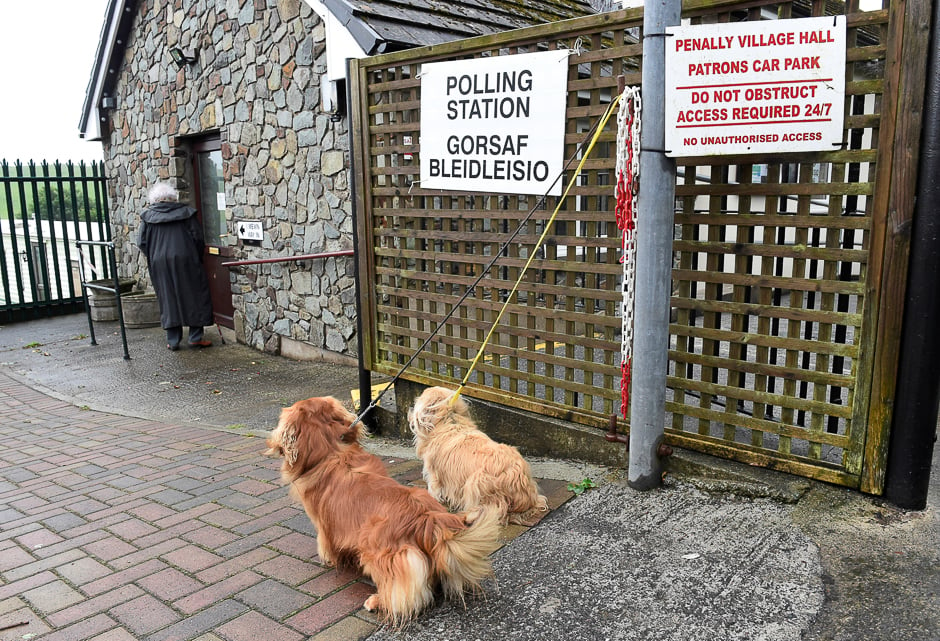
(289, 444)
(432, 407)
(283, 439)
(308, 433)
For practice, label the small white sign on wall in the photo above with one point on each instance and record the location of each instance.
(494, 124)
(755, 87)
(250, 230)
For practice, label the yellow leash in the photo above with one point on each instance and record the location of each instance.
(610, 110)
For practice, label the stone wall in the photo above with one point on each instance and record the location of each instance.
(257, 84)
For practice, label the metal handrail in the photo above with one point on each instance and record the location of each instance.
(116, 290)
(288, 259)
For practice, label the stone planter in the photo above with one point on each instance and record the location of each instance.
(141, 309)
(103, 305)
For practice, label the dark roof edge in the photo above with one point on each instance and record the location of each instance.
(371, 42)
(112, 42)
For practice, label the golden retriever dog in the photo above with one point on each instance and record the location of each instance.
(399, 536)
(466, 469)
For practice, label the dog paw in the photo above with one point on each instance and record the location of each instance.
(325, 555)
(372, 603)
(528, 518)
(523, 521)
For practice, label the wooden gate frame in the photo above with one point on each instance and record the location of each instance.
(908, 39)
(382, 180)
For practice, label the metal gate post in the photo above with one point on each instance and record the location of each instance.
(656, 203)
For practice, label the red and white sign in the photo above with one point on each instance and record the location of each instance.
(755, 87)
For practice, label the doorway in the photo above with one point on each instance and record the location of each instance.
(209, 194)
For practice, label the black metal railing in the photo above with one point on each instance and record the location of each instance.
(44, 209)
(108, 286)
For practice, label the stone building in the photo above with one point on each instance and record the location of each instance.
(241, 104)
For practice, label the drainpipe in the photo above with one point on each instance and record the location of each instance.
(914, 423)
(657, 202)
(365, 376)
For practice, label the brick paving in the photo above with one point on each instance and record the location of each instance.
(115, 528)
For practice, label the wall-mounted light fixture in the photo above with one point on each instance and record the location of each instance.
(180, 58)
(334, 98)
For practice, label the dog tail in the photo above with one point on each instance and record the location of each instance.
(464, 559)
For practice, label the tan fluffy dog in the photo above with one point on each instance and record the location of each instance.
(402, 538)
(464, 467)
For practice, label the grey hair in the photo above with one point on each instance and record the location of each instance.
(162, 192)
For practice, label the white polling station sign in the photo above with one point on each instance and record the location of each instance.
(755, 87)
(494, 124)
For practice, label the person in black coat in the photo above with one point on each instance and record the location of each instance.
(171, 238)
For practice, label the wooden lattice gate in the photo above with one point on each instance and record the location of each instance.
(788, 276)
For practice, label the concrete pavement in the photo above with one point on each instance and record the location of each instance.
(135, 504)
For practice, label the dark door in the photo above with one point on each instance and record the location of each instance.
(209, 189)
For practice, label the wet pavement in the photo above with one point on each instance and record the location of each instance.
(135, 504)
(227, 385)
